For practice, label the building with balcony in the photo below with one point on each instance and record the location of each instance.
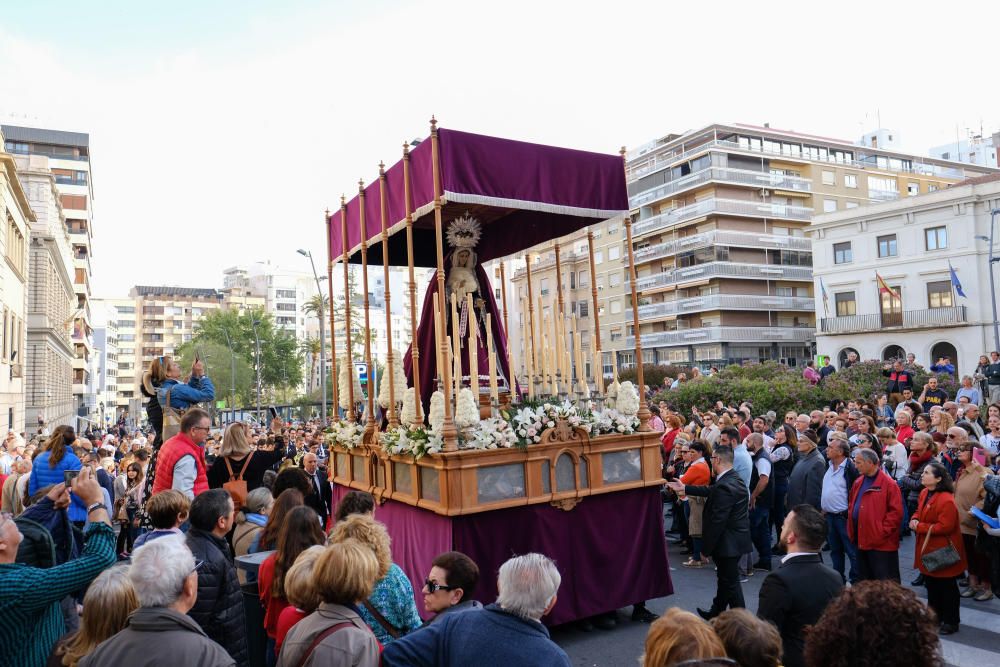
(910, 243)
(106, 335)
(51, 301)
(68, 155)
(724, 265)
(17, 220)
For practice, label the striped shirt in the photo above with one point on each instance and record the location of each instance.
(29, 599)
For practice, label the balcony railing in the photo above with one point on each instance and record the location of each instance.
(720, 237)
(713, 205)
(661, 159)
(756, 179)
(883, 195)
(724, 334)
(759, 302)
(907, 319)
(724, 270)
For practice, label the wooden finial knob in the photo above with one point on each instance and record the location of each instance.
(343, 201)
(433, 123)
(381, 168)
(406, 148)
(361, 185)
(622, 151)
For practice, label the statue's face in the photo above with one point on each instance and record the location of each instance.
(463, 257)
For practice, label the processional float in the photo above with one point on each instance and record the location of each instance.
(485, 462)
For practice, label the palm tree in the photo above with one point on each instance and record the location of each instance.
(310, 347)
(317, 305)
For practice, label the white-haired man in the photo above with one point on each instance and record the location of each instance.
(165, 578)
(508, 632)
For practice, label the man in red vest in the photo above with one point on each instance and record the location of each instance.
(180, 463)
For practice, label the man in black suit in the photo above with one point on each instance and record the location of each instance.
(725, 528)
(321, 499)
(796, 594)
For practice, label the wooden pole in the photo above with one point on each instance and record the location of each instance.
(456, 342)
(351, 417)
(559, 341)
(473, 337)
(370, 425)
(449, 434)
(333, 332)
(643, 413)
(492, 360)
(598, 356)
(418, 405)
(439, 336)
(529, 352)
(506, 329)
(389, 355)
(531, 323)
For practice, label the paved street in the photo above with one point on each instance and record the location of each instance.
(977, 643)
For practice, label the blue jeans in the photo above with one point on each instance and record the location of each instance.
(836, 535)
(760, 532)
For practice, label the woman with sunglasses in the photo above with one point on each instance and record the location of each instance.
(969, 493)
(894, 456)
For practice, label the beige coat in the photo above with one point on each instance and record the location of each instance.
(969, 492)
(348, 646)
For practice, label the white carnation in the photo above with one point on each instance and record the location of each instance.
(436, 416)
(467, 411)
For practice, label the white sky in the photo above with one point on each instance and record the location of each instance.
(220, 134)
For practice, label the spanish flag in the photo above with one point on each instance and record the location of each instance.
(883, 287)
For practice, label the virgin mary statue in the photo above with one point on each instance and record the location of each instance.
(462, 276)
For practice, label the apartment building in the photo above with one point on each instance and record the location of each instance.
(725, 268)
(51, 300)
(165, 318)
(68, 156)
(128, 396)
(911, 243)
(16, 228)
(104, 397)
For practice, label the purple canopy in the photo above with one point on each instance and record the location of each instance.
(523, 194)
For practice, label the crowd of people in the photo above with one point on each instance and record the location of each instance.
(121, 546)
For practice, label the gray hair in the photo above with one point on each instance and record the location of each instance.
(159, 569)
(841, 444)
(257, 500)
(527, 585)
(868, 454)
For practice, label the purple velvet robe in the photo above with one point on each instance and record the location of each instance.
(424, 338)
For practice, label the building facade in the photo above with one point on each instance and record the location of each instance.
(68, 156)
(17, 220)
(725, 268)
(910, 243)
(51, 301)
(165, 318)
(108, 369)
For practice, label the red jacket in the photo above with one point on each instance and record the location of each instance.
(172, 451)
(940, 515)
(880, 517)
(904, 433)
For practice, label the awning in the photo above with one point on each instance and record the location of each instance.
(523, 194)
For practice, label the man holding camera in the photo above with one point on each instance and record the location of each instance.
(30, 596)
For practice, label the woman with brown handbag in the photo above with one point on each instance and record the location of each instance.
(940, 553)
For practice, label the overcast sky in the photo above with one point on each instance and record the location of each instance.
(221, 130)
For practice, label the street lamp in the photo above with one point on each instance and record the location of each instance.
(993, 286)
(232, 377)
(322, 335)
(256, 337)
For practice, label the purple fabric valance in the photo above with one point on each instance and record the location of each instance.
(523, 193)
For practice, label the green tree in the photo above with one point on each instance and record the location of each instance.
(219, 367)
(280, 357)
(310, 347)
